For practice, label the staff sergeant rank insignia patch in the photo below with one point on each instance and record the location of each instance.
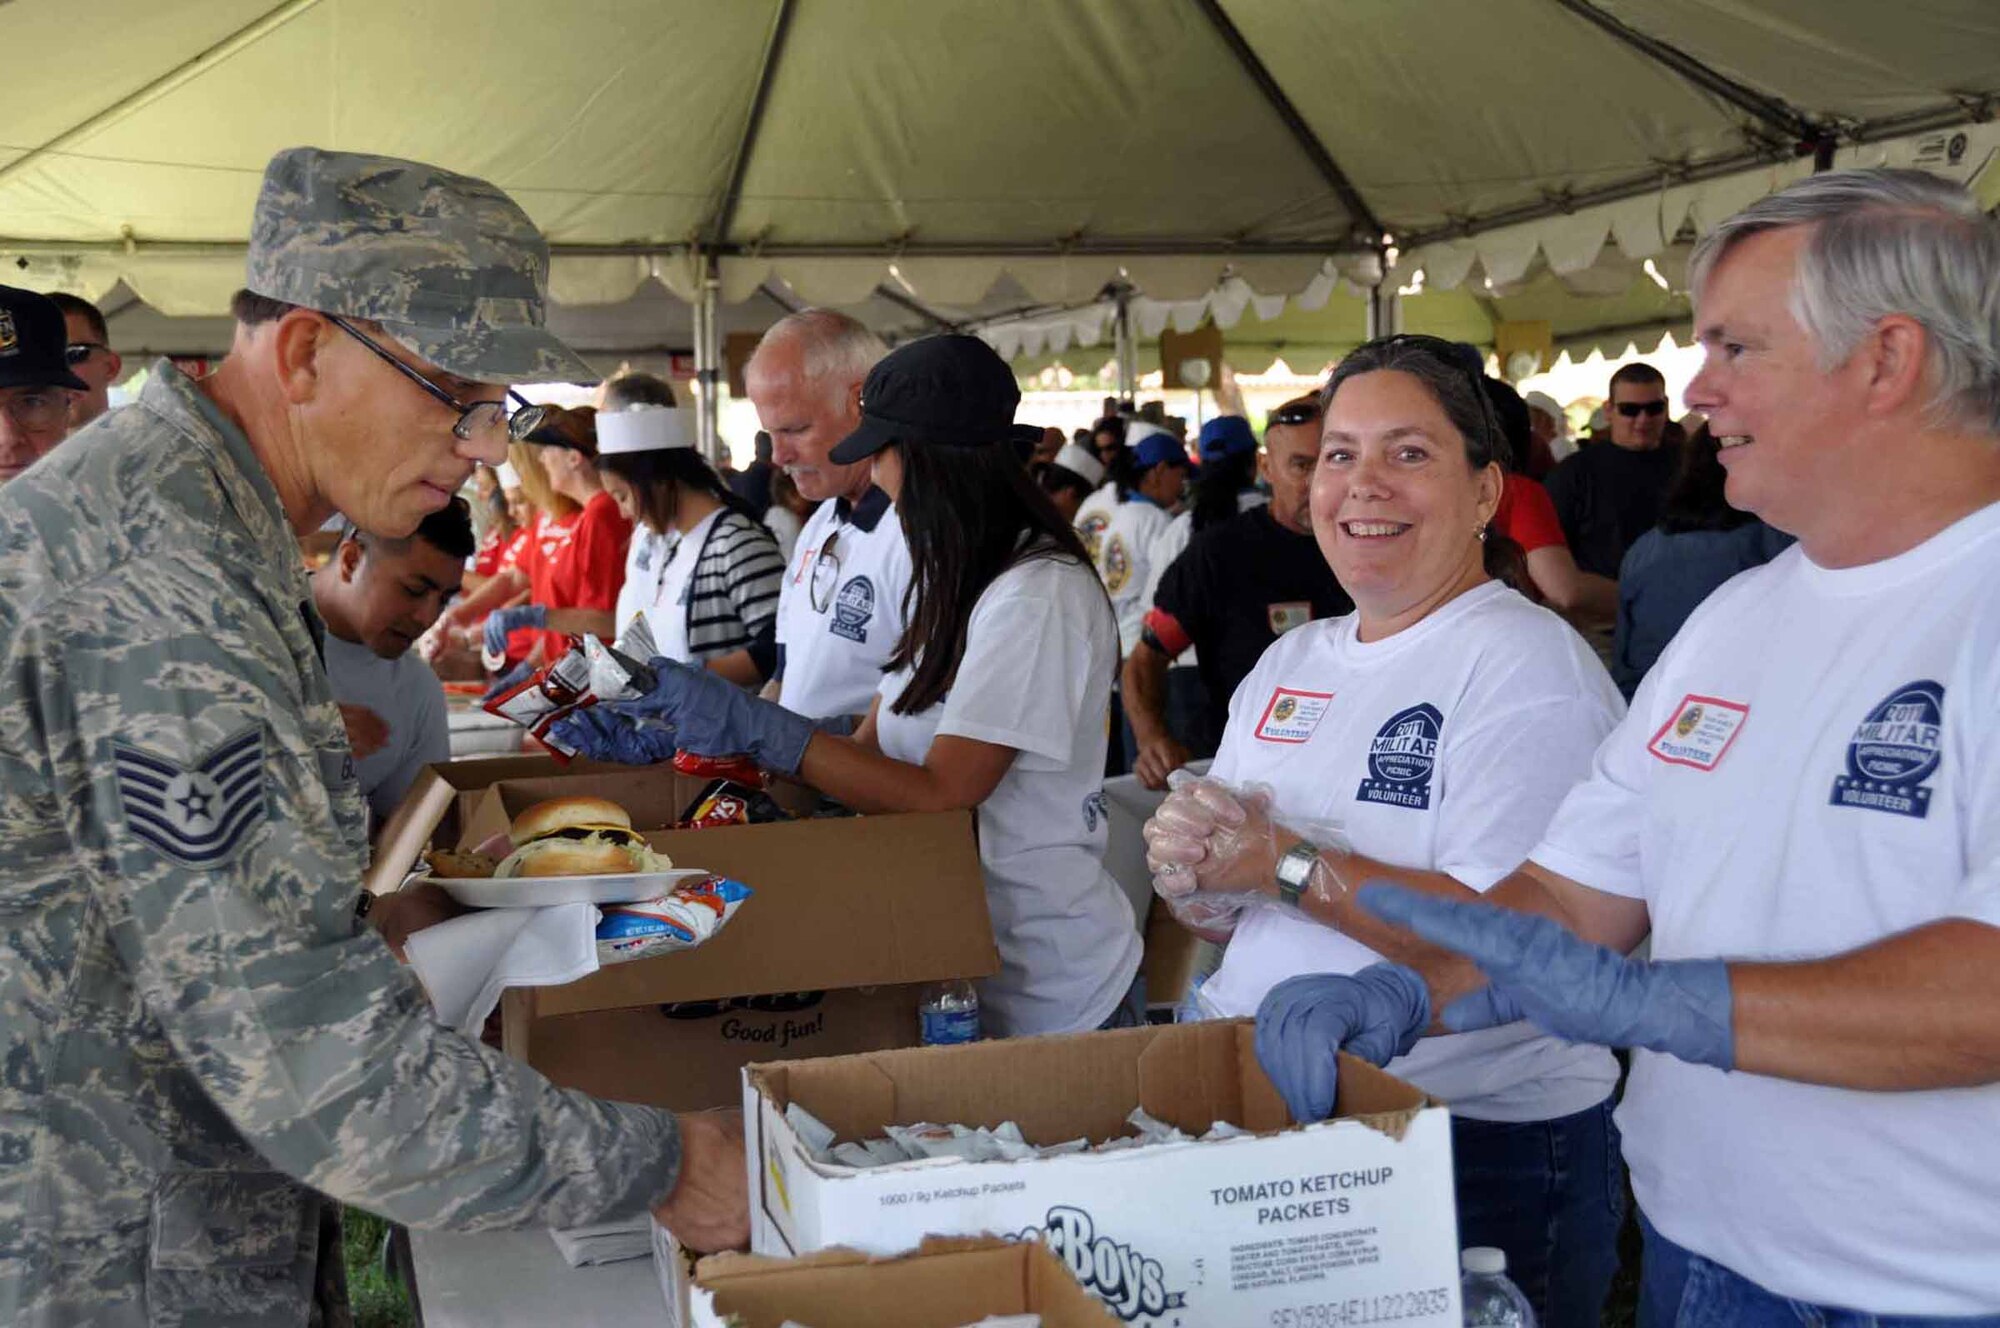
(197, 816)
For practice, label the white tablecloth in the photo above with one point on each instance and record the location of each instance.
(517, 1277)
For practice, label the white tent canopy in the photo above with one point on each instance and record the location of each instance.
(942, 163)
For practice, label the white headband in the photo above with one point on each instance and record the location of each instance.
(642, 429)
(509, 477)
(1080, 461)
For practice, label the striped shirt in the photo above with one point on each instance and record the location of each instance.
(733, 603)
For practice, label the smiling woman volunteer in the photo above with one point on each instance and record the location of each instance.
(1435, 729)
(574, 562)
(995, 697)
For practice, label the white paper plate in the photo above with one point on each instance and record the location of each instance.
(541, 891)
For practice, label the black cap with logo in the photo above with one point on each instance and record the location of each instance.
(944, 391)
(32, 342)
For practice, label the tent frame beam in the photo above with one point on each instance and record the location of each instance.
(1368, 227)
(937, 322)
(1771, 112)
(753, 125)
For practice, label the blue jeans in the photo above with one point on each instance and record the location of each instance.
(1680, 1289)
(1131, 1012)
(1552, 1195)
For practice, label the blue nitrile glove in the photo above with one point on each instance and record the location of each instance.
(501, 622)
(1377, 1014)
(1540, 970)
(712, 716)
(597, 733)
(509, 680)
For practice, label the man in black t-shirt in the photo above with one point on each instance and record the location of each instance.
(1610, 494)
(1235, 589)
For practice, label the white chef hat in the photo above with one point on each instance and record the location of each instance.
(1080, 461)
(509, 477)
(643, 428)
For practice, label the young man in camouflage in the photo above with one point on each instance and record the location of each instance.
(200, 1045)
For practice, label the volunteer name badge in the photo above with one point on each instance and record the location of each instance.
(1699, 733)
(1894, 750)
(1290, 716)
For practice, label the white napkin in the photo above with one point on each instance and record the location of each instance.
(467, 962)
(605, 1242)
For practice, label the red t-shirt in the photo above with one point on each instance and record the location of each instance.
(578, 563)
(1526, 515)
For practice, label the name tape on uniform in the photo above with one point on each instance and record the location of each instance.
(1291, 716)
(1700, 732)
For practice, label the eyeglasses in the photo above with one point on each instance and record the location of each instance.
(1632, 410)
(480, 418)
(1292, 413)
(78, 351)
(825, 574)
(37, 409)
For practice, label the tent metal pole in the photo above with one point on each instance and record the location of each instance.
(1125, 348)
(1385, 309)
(708, 360)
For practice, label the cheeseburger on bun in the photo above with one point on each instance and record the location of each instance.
(577, 837)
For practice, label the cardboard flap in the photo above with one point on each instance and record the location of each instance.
(433, 804)
(943, 1284)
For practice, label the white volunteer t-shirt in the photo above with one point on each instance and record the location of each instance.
(1812, 766)
(1125, 555)
(1036, 676)
(840, 618)
(1443, 748)
(665, 602)
(645, 558)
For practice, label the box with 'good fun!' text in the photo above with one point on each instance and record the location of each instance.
(1346, 1221)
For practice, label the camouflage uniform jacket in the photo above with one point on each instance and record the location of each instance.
(197, 1039)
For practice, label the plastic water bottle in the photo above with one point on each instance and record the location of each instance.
(1491, 1301)
(948, 1014)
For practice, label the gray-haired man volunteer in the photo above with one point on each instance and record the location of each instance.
(201, 1043)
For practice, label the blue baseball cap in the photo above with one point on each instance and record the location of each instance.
(1151, 445)
(1225, 436)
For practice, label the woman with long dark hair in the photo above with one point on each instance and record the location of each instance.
(995, 697)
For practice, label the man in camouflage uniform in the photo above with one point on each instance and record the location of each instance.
(198, 1039)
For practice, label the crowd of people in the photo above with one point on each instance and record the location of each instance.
(1482, 712)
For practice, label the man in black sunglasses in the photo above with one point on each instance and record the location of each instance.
(1610, 494)
(90, 357)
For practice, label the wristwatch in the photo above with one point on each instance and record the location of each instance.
(1295, 869)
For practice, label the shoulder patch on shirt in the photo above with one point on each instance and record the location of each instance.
(196, 815)
(1895, 749)
(1402, 758)
(853, 607)
(1117, 564)
(1290, 716)
(1699, 733)
(1091, 529)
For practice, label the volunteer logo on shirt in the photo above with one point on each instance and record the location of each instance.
(1894, 751)
(1117, 564)
(1091, 528)
(1284, 617)
(1402, 758)
(196, 815)
(853, 608)
(1290, 716)
(1095, 809)
(1699, 732)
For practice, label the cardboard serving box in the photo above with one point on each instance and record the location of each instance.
(432, 813)
(948, 1283)
(1345, 1221)
(848, 919)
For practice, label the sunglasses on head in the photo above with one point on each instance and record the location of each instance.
(1632, 410)
(1294, 412)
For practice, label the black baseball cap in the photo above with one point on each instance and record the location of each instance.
(32, 341)
(946, 391)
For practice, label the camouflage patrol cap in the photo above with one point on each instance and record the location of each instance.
(448, 265)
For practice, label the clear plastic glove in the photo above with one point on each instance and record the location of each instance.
(503, 622)
(603, 735)
(711, 716)
(1540, 970)
(1377, 1014)
(1219, 845)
